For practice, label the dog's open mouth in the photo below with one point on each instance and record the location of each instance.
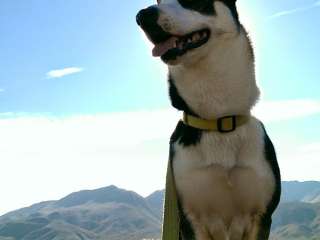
(175, 46)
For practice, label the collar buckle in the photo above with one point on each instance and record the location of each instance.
(227, 124)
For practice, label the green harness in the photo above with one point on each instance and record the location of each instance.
(171, 219)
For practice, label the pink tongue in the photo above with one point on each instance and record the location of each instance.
(161, 48)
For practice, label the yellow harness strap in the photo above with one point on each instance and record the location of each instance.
(171, 220)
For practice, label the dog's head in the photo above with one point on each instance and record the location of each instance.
(184, 29)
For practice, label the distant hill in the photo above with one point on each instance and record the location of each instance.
(107, 212)
(297, 220)
(155, 201)
(300, 191)
(116, 214)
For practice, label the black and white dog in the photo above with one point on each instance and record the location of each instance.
(228, 179)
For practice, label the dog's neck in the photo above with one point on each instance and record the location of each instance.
(221, 84)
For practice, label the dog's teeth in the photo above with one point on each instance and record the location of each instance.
(175, 44)
(195, 37)
(189, 40)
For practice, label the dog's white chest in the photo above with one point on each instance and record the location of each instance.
(223, 179)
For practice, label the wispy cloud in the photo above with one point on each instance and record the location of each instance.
(58, 73)
(295, 10)
(1, 90)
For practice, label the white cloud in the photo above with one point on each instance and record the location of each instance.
(273, 111)
(298, 162)
(1, 90)
(295, 10)
(58, 73)
(311, 148)
(45, 158)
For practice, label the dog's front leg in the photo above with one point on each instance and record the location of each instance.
(209, 228)
(200, 231)
(248, 228)
(218, 229)
(238, 227)
(260, 229)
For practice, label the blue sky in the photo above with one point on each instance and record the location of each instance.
(102, 38)
(80, 95)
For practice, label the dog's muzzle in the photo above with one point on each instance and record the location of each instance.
(168, 46)
(147, 19)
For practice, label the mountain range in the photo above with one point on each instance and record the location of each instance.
(115, 214)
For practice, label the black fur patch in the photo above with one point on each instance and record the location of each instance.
(186, 135)
(202, 6)
(176, 99)
(266, 220)
(186, 229)
(271, 157)
(265, 226)
(183, 134)
(207, 7)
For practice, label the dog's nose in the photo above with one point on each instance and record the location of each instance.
(147, 17)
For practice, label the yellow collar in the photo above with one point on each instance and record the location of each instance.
(222, 125)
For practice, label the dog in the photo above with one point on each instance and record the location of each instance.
(224, 164)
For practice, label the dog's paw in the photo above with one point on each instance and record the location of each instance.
(238, 227)
(218, 230)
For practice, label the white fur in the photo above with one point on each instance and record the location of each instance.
(179, 21)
